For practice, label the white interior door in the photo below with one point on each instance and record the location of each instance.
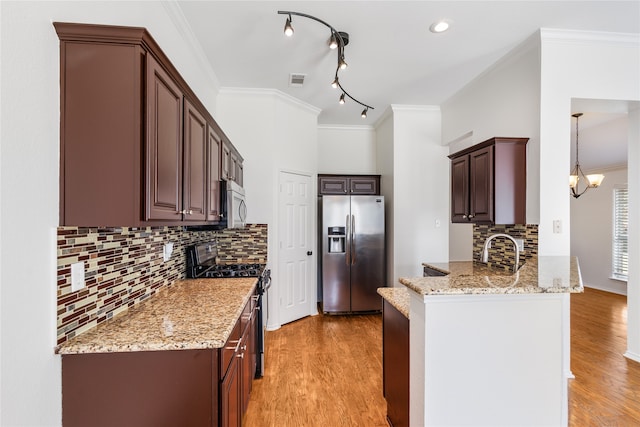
(295, 267)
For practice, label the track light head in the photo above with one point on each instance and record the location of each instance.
(342, 98)
(333, 41)
(288, 29)
(334, 84)
(342, 63)
(364, 113)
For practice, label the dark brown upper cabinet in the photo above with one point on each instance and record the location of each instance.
(232, 164)
(489, 181)
(137, 147)
(348, 184)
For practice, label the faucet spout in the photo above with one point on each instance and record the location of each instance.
(487, 243)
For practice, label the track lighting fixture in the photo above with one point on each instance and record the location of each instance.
(337, 40)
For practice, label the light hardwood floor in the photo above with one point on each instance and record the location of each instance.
(327, 370)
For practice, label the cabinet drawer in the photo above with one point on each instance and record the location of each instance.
(228, 352)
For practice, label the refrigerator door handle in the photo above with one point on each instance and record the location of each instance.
(347, 235)
(353, 239)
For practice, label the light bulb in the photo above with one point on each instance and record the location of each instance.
(342, 99)
(343, 64)
(364, 113)
(334, 84)
(333, 42)
(288, 29)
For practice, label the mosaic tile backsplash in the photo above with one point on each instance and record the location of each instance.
(502, 254)
(124, 266)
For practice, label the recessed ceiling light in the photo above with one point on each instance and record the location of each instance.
(439, 26)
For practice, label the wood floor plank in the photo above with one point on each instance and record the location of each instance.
(327, 370)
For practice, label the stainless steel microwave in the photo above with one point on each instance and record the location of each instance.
(236, 206)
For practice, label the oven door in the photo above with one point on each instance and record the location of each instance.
(236, 206)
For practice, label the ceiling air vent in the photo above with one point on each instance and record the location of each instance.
(296, 79)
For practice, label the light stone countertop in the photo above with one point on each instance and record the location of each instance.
(397, 297)
(544, 274)
(189, 314)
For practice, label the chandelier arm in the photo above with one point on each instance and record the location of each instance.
(341, 46)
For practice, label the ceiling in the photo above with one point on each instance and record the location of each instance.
(393, 57)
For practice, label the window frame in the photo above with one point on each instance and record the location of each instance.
(620, 234)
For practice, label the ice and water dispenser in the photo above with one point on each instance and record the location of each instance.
(336, 237)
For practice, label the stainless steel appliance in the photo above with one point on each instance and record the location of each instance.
(201, 263)
(236, 206)
(353, 253)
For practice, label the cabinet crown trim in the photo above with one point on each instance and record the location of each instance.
(489, 142)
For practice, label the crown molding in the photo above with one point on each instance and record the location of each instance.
(173, 9)
(577, 36)
(270, 93)
(367, 128)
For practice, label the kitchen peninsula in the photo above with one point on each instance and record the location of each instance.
(489, 347)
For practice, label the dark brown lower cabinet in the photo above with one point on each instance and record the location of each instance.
(395, 364)
(190, 388)
(148, 388)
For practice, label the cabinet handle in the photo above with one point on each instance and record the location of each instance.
(190, 212)
(471, 216)
(464, 216)
(182, 212)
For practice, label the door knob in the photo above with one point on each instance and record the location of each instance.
(309, 253)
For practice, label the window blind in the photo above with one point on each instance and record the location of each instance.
(620, 233)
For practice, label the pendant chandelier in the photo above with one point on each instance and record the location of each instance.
(592, 180)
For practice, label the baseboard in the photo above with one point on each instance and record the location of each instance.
(633, 356)
(607, 289)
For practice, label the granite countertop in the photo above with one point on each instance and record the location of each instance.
(397, 297)
(545, 274)
(189, 314)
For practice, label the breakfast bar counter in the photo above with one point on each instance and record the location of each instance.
(491, 347)
(549, 274)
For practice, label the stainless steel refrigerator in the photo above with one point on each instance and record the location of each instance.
(353, 253)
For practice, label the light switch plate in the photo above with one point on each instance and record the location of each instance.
(557, 226)
(77, 276)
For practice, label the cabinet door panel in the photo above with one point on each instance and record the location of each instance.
(460, 189)
(365, 185)
(333, 185)
(164, 144)
(481, 184)
(230, 415)
(195, 164)
(213, 181)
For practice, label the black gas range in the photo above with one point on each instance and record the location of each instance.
(201, 263)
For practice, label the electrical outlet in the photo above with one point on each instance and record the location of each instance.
(77, 276)
(520, 243)
(167, 250)
(557, 226)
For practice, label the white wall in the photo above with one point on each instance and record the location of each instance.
(30, 391)
(633, 279)
(282, 136)
(585, 65)
(503, 101)
(592, 232)
(347, 149)
(384, 167)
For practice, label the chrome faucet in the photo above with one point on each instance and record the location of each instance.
(487, 243)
